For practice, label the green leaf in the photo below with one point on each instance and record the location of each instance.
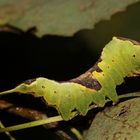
(59, 17)
(119, 122)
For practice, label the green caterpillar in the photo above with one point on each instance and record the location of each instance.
(119, 58)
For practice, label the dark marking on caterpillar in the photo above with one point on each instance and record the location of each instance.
(28, 82)
(134, 55)
(87, 79)
(131, 40)
(43, 86)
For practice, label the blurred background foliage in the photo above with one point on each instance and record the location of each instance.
(59, 17)
(59, 40)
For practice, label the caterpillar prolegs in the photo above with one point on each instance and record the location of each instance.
(120, 58)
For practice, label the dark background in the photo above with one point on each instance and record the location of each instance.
(25, 56)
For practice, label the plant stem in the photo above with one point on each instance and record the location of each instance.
(6, 132)
(130, 95)
(77, 134)
(32, 124)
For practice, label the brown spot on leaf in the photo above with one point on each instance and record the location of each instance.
(123, 112)
(84, 7)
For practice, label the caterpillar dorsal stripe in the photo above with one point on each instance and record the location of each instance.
(119, 58)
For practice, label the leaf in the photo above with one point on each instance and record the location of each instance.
(119, 122)
(59, 17)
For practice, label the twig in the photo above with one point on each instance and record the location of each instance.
(32, 124)
(7, 133)
(27, 113)
(32, 115)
